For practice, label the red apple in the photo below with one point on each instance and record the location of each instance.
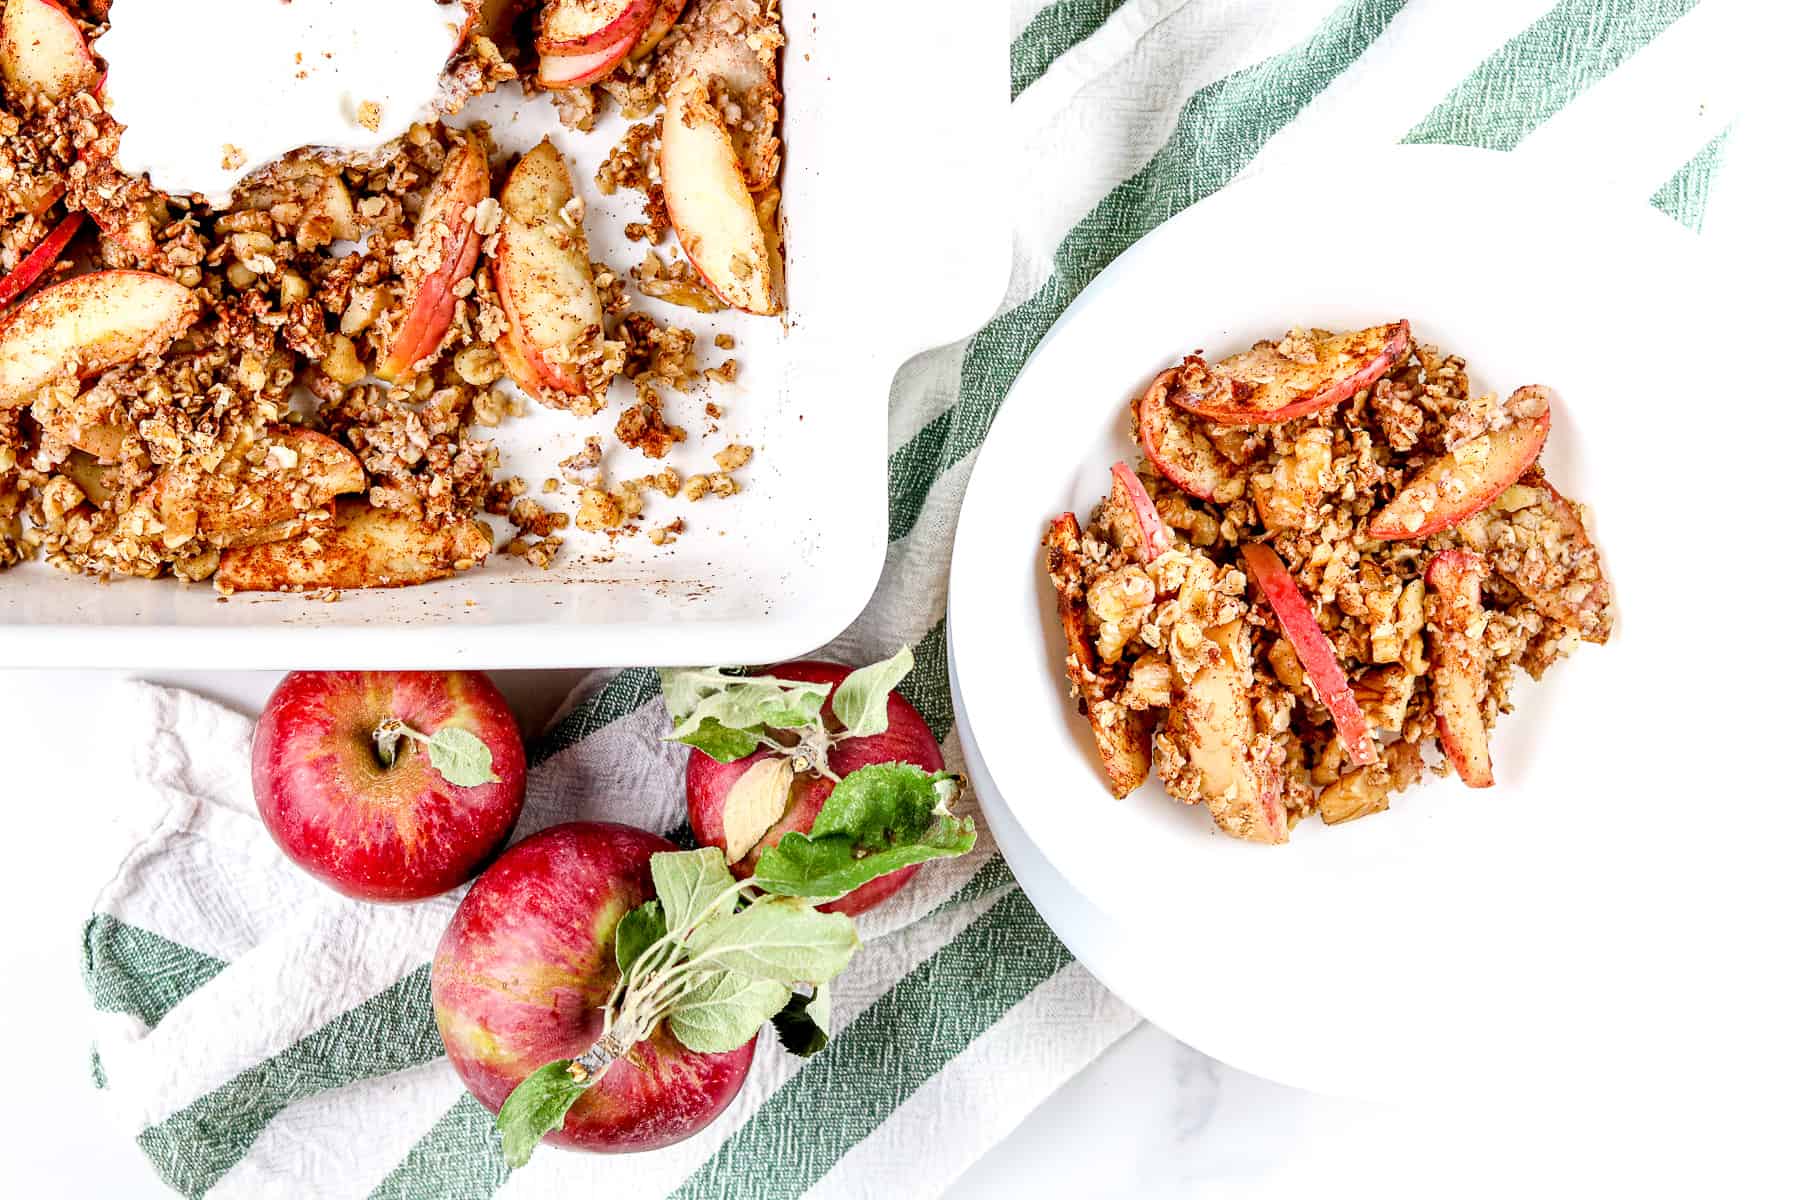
(524, 972)
(1317, 657)
(908, 739)
(41, 259)
(371, 830)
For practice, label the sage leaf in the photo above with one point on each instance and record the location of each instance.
(779, 939)
(640, 929)
(687, 881)
(880, 819)
(861, 701)
(723, 1010)
(804, 1025)
(461, 757)
(535, 1108)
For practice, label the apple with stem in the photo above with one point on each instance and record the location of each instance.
(524, 975)
(717, 792)
(388, 785)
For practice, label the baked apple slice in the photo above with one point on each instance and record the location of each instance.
(710, 204)
(1535, 537)
(661, 21)
(42, 257)
(301, 472)
(364, 548)
(579, 41)
(1172, 440)
(545, 279)
(1461, 482)
(1317, 657)
(1208, 751)
(1274, 382)
(42, 50)
(1459, 662)
(1122, 734)
(446, 226)
(85, 325)
(1150, 538)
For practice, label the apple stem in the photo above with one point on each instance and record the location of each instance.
(387, 739)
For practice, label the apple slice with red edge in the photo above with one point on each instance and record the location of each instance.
(544, 275)
(1263, 387)
(1459, 661)
(1222, 762)
(1176, 446)
(42, 50)
(32, 267)
(580, 41)
(244, 509)
(1129, 496)
(429, 297)
(661, 21)
(710, 204)
(1317, 657)
(1461, 482)
(86, 325)
(713, 792)
(1124, 743)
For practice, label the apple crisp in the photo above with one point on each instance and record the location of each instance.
(296, 392)
(1329, 563)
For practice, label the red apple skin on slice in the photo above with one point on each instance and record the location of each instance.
(1462, 482)
(1261, 387)
(86, 325)
(430, 298)
(544, 275)
(579, 26)
(1313, 649)
(1122, 734)
(1180, 450)
(1459, 661)
(661, 21)
(1129, 496)
(709, 201)
(32, 267)
(42, 50)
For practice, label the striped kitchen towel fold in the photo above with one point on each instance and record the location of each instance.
(262, 1038)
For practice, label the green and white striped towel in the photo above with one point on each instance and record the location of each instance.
(260, 1038)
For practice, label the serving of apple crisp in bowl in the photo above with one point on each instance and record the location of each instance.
(1331, 560)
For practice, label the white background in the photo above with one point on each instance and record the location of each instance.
(1150, 1118)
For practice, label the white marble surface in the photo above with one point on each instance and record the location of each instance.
(1151, 1118)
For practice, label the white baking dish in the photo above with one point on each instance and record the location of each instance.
(896, 243)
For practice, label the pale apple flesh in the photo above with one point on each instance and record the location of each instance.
(1208, 751)
(710, 204)
(429, 300)
(374, 830)
(908, 739)
(42, 50)
(86, 325)
(522, 976)
(1179, 449)
(43, 256)
(1262, 386)
(544, 275)
(1122, 734)
(1314, 650)
(1461, 482)
(1536, 538)
(1459, 662)
(365, 547)
(661, 21)
(1150, 538)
